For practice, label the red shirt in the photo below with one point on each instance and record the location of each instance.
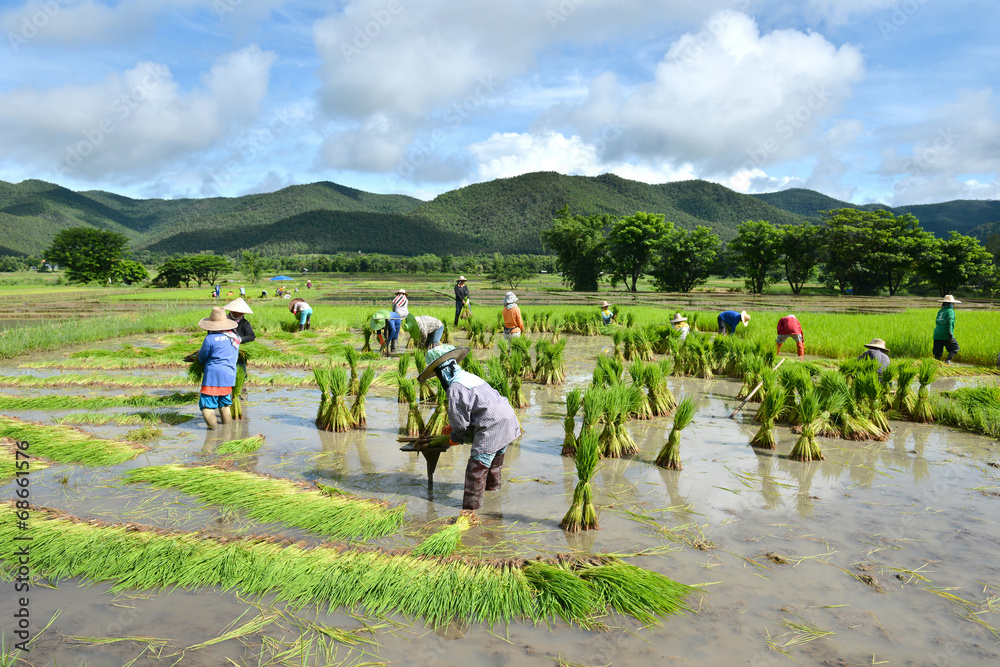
(788, 326)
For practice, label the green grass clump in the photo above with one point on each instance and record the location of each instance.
(574, 401)
(241, 447)
(445, 541)
(670, 456)
(152, 417)
(438, 590)
(271, 499)
(54, 402)
(65, 444)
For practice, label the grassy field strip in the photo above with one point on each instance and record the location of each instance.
(303, 505)
(438, 590)
(9, 461)
(64, 444)
(54, 402)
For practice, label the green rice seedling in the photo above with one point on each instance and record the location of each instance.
(696, 356)
(753, 371)
(472, 365)
(241, 447)
(923, 409)
(593, 408)
(351, 356)
(627, 344)
(496, 376)
(477, 334)
(670, 456)
(847, 420)
(437, 590)
(770, 410)
(147, 432)
(359, 417)
(333, 414)
(503, 352)
(809, 415)
(60, 402)
(65, 444)
(426, 391)
(334, 513)
(522, 344)
(582, 515)
(517, 364)
(446, 334)
(414, 422)
(618, 338)
(367, 332)
(974, 408)
(621, 401)
(550, 367)
(869, 393)
(445, 541)
(236, 408)
(667, 369)
(439, 418)
(642, 347)
(637, 371)
(324, 416)
(402, 368)
(574, 401)
(652, 379)
(561, 593)
(904, 398)
(99, 418)
(608, 372)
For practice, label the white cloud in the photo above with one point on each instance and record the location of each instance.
(133, 123)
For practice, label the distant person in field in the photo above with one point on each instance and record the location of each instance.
(218, 354)
(790, 327)
(461, 298)
(879, 352)
(681, 324)
(243, 291)
(944, 329)
(401, 304)
(729, 319)
(513, 325)
(607, 315)
(309, 284)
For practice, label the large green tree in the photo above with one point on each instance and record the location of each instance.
(756, 251)
(578, 241)
(955, 262)
(86, 254)
(802, 247)
(175, 271)
(509, 271)
(251, 266)
(207, 268)
(630, 247)
(684, 259)
(128, 272)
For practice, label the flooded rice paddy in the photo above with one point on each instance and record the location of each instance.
(885, 553)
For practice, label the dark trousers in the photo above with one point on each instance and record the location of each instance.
(941, 345)
(722, 327)
(458, 311)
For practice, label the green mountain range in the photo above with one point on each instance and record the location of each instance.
(505, 215)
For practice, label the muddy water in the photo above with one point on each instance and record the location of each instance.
(855, 545)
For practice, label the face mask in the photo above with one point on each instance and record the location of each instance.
(446, 372)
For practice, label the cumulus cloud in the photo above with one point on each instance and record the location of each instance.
(131, 123)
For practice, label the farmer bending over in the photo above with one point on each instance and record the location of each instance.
(607, 315)
(303, 310)
(729, 319)
(386, 326)
(426, 331)
(790, 327)
(478, 412)
(879, 352)
(218, 355)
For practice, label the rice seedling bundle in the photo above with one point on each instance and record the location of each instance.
(753, 373)
(446, 334)
(241, 447)
(904, 398)
(503, 351)
(157, 417)
(574, 400)
(323, 380)
(236, 409)
(550, 367)
(517, 364)
(837, 398)
(581, 514)
(65, 444)
(696, 357)
(593, 408)
(59, 402)
(869, 393)
(496, 376)
(670, 455)
(333, 414)
(445, 541)
(809, 415)
(402, 367)
(414, 422)
(608, 372)
(923, 409)
(652, 379)
(472, 365)
(477, 334)
(439, 418)
(333, 514)
(620, 401)
(522, 344)
(425, 388)
(974, 408)
(618, 338)
(366, 330)
(351, 356)
(637, 371)
(770, 410)
(627, 344)
(438, 590)
(666, 369)
(358, 416)
(642, 347)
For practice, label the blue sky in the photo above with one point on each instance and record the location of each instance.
(865, 100)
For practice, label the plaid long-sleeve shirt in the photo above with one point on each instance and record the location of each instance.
(477, 409)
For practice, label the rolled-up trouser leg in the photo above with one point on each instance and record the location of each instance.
(496, 470)
(475, 484)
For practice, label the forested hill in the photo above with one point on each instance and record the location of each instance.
(960, 215)
(506, 215)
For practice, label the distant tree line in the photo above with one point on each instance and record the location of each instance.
(851, 251)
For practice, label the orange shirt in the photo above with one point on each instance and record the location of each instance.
(512, 319)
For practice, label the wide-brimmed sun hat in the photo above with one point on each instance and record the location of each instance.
(949, 299)
(877, 344)
(745, 318)
(605, 304)
(509, 297)
(461, 279)
(401, 291)
(291, 304)
(238, 306)
(439, 355)
(379, 318)
(678, 318)
(217, 321)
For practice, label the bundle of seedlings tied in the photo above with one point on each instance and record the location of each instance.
(695, 357)
(851, 420)
(473, 365)
(366, 330)
(661, 399)
(642, 347)
(593, 409)
(236, 409)
(426, 391)
(670, 456)
(771, 409)
(870, 396)
(923, 410)
(582, 515)
(496, 376)
(622, 350)
(812, 419)
(638, 370)
(439, 418)
(358, 416)
(607, 372)
(445, 541)
(620, 401)
(351, 356)
(402, 367)
(581, 591)
(240, 447)
(333, 414)
(574, 400)
(446, 335)
(522, 345)
(753, 374)
(904, 399)
(516, 368)
(414, 421)
(550, 363)
(477, 334)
